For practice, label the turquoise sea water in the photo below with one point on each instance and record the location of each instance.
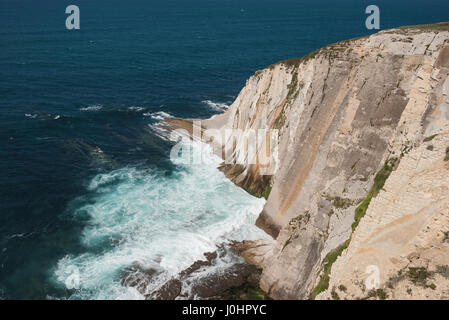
(86, 182)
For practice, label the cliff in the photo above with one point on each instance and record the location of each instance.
(352, 119)
(403, 240)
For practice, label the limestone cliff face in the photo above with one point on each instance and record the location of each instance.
(342, 112)
(403, 240)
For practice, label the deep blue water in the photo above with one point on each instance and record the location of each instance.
(76, 151)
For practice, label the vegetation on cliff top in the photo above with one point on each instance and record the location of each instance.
(295, 62)
(441, 26)
(419, 276)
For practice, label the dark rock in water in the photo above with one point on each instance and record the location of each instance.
(140, 279)
(210, 256)
(213, 285)
(137, 277)
(172, 288)
(209, 286)
(169, 291)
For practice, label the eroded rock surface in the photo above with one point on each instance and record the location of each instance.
(403, 238)
(342, 112)
(199, 281)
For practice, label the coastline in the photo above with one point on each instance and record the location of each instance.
(325, 110)
(244, 282)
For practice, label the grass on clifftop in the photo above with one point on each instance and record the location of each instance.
(441, 26)
(295, 62)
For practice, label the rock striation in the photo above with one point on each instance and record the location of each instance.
(353, 175)
(403, 240)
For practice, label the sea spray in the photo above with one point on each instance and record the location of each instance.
(157, 221)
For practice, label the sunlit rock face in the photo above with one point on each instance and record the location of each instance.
(341, 113)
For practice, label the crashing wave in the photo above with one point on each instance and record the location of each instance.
(159, 116)
(216, 105)
(158, 221)
(136, 109)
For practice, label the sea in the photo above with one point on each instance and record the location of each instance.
(87, 185)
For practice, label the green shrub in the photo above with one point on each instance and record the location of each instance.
(379, 293)
(444, 271)
(432, 286)
(266, 192)
(342, 288)
(430, 138)
(334, 294)
(418, 275)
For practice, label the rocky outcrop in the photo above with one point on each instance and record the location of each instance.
(346, 116)
(226, 282)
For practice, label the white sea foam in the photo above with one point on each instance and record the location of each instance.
(94, 107)
(165, 222)
(42, 116)
(159, 116)
(216, 105)
(17, 235)
(136, 109)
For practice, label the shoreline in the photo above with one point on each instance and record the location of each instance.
(237, 281)
(247, 287)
